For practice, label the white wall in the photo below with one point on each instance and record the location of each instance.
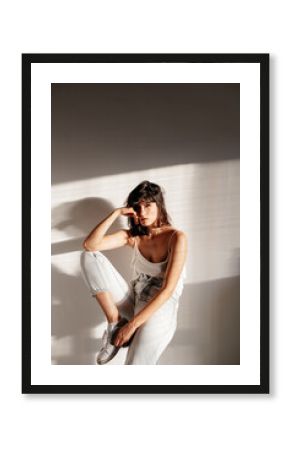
(106, 139)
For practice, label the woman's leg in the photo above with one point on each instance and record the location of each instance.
(152, 338)
(113, 294)
(108, 306)
(107, 285)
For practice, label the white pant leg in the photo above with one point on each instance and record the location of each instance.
(100, 275)
(152, 338)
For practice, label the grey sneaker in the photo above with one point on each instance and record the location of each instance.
(108, 349)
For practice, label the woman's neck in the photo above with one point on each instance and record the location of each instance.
(154, 230)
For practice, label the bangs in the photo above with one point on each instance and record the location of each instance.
(145, 197)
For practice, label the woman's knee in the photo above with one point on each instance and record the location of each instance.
(86, 253)
(100, 275)
(95, 256)
(91, 264)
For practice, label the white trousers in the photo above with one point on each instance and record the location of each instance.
(151, 338)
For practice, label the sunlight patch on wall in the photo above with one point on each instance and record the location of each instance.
(202, 199)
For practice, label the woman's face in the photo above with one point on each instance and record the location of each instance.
(147, 213)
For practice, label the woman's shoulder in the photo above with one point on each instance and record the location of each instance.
(177, 232)
(176, 235)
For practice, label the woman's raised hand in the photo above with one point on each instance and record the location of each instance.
(129, 212)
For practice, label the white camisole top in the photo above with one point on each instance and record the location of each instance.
(140, 264)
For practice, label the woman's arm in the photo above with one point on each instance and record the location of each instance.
(174, 268)
(97, 240)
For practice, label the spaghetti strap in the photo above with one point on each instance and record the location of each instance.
(133, 261)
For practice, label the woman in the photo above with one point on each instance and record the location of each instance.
(142, 315)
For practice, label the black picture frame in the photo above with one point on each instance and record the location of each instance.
(263, 61)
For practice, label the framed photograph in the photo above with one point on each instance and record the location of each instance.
(145, 223)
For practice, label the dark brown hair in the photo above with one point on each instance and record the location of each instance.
(151, 192)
